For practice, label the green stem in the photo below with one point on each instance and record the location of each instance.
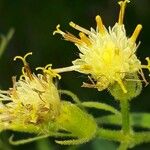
(72, 95)
(112, 135)
(142, 137)
(124, 104)
(123, 146)
(101, 106)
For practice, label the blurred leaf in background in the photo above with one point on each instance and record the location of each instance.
(5, 41)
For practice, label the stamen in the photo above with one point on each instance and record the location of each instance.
(58, 30)
(14, 82)
(136, 33)
(122, 10)
(72, 38)
(88, 85)
(47, 69)
(26, 68)
(3, 92)
(122, 85)
(85, 39)
(100, 24)
(23, 58)
(143, 77)
(22, 77)
(79, 28)
(68, 36)
(40, 68)
(148, 64)
(48, 66)
(52, 73)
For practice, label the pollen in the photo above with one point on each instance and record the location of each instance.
(109, 54)
(33, 99)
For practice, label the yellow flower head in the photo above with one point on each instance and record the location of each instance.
(33, 99)
(108, 55)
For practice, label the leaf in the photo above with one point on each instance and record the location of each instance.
(137, 120)
(5, 40)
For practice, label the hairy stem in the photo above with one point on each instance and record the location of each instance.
(126, 126)
(112, 135)
(142, 137)
(123, 146)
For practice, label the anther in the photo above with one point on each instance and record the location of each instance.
(85, 39)
(79, 28)
(136, 33)
(100, 24)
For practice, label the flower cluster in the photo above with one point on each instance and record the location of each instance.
(33, 99)
(33, 105)
(107, 55)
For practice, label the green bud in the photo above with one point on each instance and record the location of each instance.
(133, 85)
(77, 122)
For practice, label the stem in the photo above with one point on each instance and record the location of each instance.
(142, 137)
(101, 106)
(112, 135)
(123, 146)
(124, 104)
(72, 95)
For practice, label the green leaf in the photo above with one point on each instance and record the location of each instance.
(5, 40)
(133, 85)
(38, 137)
(137, 120)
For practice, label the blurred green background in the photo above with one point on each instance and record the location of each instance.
(34, 22)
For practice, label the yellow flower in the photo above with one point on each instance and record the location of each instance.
(108, 55)
(33, 99)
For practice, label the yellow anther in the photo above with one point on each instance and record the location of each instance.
(122, 10)
(79, 28)
(85, 39)
(136, 33)
(100, 24)
(58, 30)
